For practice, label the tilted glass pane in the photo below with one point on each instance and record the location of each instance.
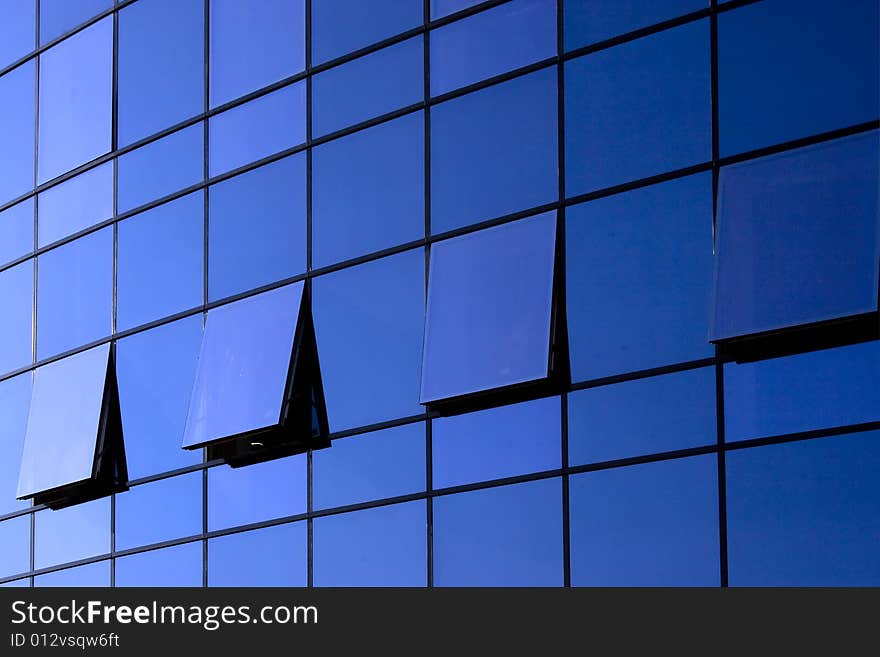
(76, 204)
(63, 422)
(489, 313)
(343, 26)
(17, 114)
(243, 366)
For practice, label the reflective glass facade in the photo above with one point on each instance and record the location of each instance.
(161, 161)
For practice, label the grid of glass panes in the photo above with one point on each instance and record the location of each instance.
(216, 148)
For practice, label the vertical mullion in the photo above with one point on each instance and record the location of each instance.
(429, 433)
(33, 523)
(310, 558)
(206, 38)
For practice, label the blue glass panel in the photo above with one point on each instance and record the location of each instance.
(76, 204)
(590, 21)
(440, 8)
(646, 525)
(16, 329)
(809, 67)
(817, 390)
(487, 161)
(160, 168)
(243, 366)
(385, 546)
(500, 442)
(240, 496)
(76, 81)
(180, 565)
(75, 293)
(160, 261)
(639, 273)
(17, 114)
(369, 86)
(343, 26)
(275, 556)
(254, 44)
(17, 30)
(257, 129)
(369, 322)
(490, 299)
(382, 173)
(638, 109)
(15, 546)
(798, 237)
(492, 42)
(805, 513)
(179, 498)
(17, 231)
(15, 399)
(63, 421)
(161, 65)
(506, 536)
(73, 533)
(370, 466)
(25, 582)
(156, 370)
(93, 574)
(646, 416)
(257, 229)
(60, 16)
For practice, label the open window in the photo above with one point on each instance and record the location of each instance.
(495, 323)
(797, 259)
(73, 448)
(258, 393)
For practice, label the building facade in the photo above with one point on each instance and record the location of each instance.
(526, 232)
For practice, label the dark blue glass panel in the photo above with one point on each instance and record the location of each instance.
(369, 322)
(18, 583)
(654, 524)
(368, 190)
(160, 261)
(805, 513)
(590, 21)
(343, 26)
(73, 533)
(243, 366)
(798, 237)
(240, 496)
(492, 42)
(15, 399)
(275, 556)
(490, 299)
(646, 416)
(180, 565)
(257, 227)
(63, 422)
(789, 69)
(16, 329)
(817, 390)
(638, 109)
(506, 536)
(93, 574)
(370, 466)
(639, 268)
(59, 16)
(254, 44)
(180, 501)
(15, 546)
(440, 8)
(17, 231)
(76, 81)
(76, 204)
(17, 30)
(160, 168)
(161, 65)
(75, 293)
(17, 114)
(501, 442)
(487, 162)
(369, 86)
(385, 546)
(257, 129)
(155, 370)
